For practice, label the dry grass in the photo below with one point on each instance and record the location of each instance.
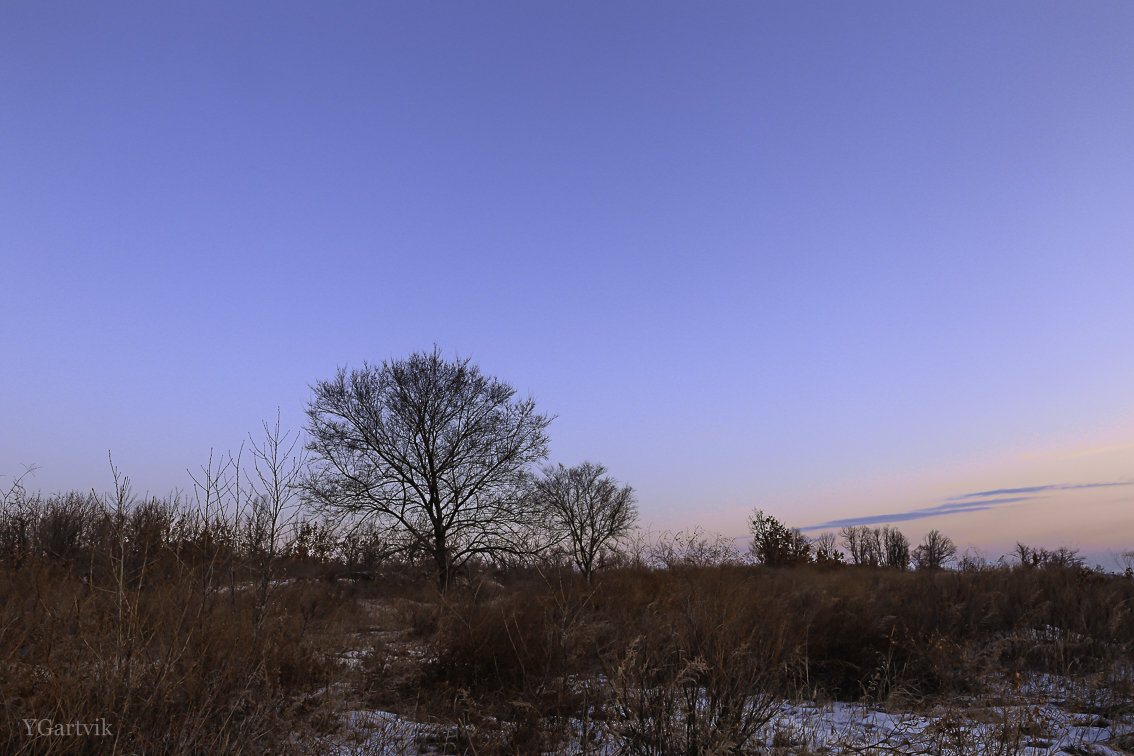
(136, 617)
(157, 619)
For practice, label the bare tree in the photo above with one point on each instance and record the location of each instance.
(588, 508)
(864, 544)
(217, 490)
(934, 552)
(895, 549)
(278, 470)
(432, 450)
(1063, 557)
(826, 548)
(852, 540)
(1126, 560)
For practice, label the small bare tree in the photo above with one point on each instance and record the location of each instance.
(864, 544)
(934, 552)
(826, 548)
(216, 489)
(278, 470)
(432, 451)
(1126, 560)
(895, 549)
(587, 508)
(1063, 557)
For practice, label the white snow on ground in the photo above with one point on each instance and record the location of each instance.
(1041, 729)
(370, 733)
(1038, 715)
(1029, 730)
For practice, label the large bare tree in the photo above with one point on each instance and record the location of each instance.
(587, 508)
(431, 450)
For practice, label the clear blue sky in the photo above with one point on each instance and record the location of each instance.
(835, 260)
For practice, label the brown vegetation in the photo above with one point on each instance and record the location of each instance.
(155, 617)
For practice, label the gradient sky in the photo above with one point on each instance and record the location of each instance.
(834, 260)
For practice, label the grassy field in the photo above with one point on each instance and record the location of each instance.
(159, 627)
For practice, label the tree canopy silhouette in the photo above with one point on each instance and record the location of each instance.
(431, 450)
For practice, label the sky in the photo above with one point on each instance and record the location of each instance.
(837, 261)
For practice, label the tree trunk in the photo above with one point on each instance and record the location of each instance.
(441, 559)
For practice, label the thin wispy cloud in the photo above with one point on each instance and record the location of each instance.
(963, 506)
(970, 502)
(916, 514)
(1037, 489)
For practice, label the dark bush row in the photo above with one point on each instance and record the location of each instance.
(843, 634)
